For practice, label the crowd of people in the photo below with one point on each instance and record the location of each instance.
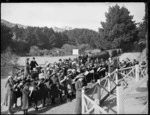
(55, 80)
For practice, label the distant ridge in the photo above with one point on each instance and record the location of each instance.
(10, 25)
(56, 29)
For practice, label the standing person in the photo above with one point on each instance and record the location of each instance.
(8, 101)
(54, 88)
(110, 65)
(101, 70)
(33, 63)
(69, 84)
(78, 87)
(25, 98)
(63, 85)
(16, 92)
(27, 68)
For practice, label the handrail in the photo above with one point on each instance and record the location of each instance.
(92, 87)
(103, 111)
(143, 65)
(108, 75)
(125, 75)
(126, 68)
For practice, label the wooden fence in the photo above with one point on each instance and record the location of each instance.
(93, 98)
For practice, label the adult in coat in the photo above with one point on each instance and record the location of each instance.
(27, 68)
(8, 101)
(110, 65)
(78, 87)
(33, 63)
(54, 87)
(25, 97)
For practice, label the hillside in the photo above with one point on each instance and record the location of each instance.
(10, 25)
(56, 29)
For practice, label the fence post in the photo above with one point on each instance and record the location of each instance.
(109, 82)
(117, 76)
(120, 104)
(82, 96)
(98, 93)
(137, 72)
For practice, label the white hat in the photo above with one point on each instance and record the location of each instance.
(69, 70)
(79, 76)
(41, 75)
(73, 70)
(9, 77)
(34, 69)
(86, 73)
(47, 68)
(92, 71)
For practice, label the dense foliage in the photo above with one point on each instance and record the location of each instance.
(119, 31)
(6, 37)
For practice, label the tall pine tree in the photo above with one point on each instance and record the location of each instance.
(119, 30)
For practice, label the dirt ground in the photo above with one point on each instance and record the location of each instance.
(58, 108)
(132, 105)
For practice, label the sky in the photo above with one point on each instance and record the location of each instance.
(74, 15)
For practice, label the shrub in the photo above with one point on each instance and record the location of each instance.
(8, 60)
(34, 50)
(104, 55)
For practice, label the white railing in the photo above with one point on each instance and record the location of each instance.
(104, 87)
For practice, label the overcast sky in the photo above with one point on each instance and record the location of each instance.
(75, 15)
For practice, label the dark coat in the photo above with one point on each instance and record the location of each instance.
(33, 64)
(27, 69)
(34, 74)
(54, 87)
(17, 92)
(78, 87)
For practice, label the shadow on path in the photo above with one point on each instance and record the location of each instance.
(142, 89)
(48, 107)
(110, 103)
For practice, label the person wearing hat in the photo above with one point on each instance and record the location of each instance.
(110, 65)
(69, 84)
(8, 101)
(102, 69)
(78, 87)
(25, 97)
(33, 63)
(17, 93)
(74, 74)
(54, 88)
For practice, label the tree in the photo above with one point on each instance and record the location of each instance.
(6, 37)
(119, 31)
(34, 50)
(142, 32)
(82, 36)
(67, 48)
